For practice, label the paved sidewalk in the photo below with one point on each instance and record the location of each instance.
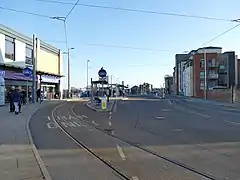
(206, 101)
(17, 160)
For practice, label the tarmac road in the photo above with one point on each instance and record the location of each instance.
(66, 160)
(202, 136)
(164, 139)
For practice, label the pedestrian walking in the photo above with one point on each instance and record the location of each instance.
(38, 94)
(10, 99)
(16, 97)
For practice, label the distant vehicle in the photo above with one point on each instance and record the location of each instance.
(84, 94)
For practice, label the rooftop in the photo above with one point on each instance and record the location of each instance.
(209, 47)
(28, 40)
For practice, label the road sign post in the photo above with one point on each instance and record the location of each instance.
(28, 73)
(102, 73)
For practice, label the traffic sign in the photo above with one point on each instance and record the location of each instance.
(102, 73)
(27, 72)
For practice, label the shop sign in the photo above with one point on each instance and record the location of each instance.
(16, 76)
(50, 79)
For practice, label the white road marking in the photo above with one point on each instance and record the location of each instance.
(80, 117)
(135, 178)
(68, 124)
(159, 117)
(94, 123)
(178, 130)
(77, 123)
(49, 118)
(204, 115)
(235, 123)
(64, 118)
(165, 110)
(72, 117)
(58, 118)
(120, 151)
(84, 116)
(51, 125)
(110, 123)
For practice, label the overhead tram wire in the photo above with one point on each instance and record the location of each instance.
(65, 25)
(223, 33)
(125, 47)
(113, 46)
(71, 10)
(26, 12)
(137, 10)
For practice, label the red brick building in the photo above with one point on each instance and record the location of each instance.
(212, 58)
(193, 76)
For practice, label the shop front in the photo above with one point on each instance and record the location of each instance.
(50, 85)
(16, 79)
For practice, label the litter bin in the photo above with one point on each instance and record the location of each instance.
(104, 103)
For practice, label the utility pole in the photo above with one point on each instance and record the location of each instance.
(205, 74)
(111, 87)
(34, 70)
(87, 74)
(68, 73)
(68, 53)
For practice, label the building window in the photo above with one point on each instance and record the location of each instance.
(202, 63)
(212, 84)
(202, 74)
(9, 48)
(221, 66)
(212, 72)
(202, 85)
(29, 54)
(190, 63)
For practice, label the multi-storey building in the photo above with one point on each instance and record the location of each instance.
(180, 59)
(193, 78)
(16, 53)
(222, 71)
(227, 69)
(145, 88)
(168, 81)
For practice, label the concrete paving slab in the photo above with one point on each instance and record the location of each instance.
(17, 159)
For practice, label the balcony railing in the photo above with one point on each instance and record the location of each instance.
(213, 65)
(213, 76)
(222, 71)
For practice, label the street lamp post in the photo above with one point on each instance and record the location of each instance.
(87, 74)
(205, 74)
(68, 53)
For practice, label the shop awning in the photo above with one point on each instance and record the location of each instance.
(21, 68)
(48, 74)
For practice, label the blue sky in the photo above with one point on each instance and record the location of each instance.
(103, 26)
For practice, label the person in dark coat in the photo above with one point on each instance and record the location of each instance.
(16, 97)
(10, 99)
(23, 97)
(38, 94)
